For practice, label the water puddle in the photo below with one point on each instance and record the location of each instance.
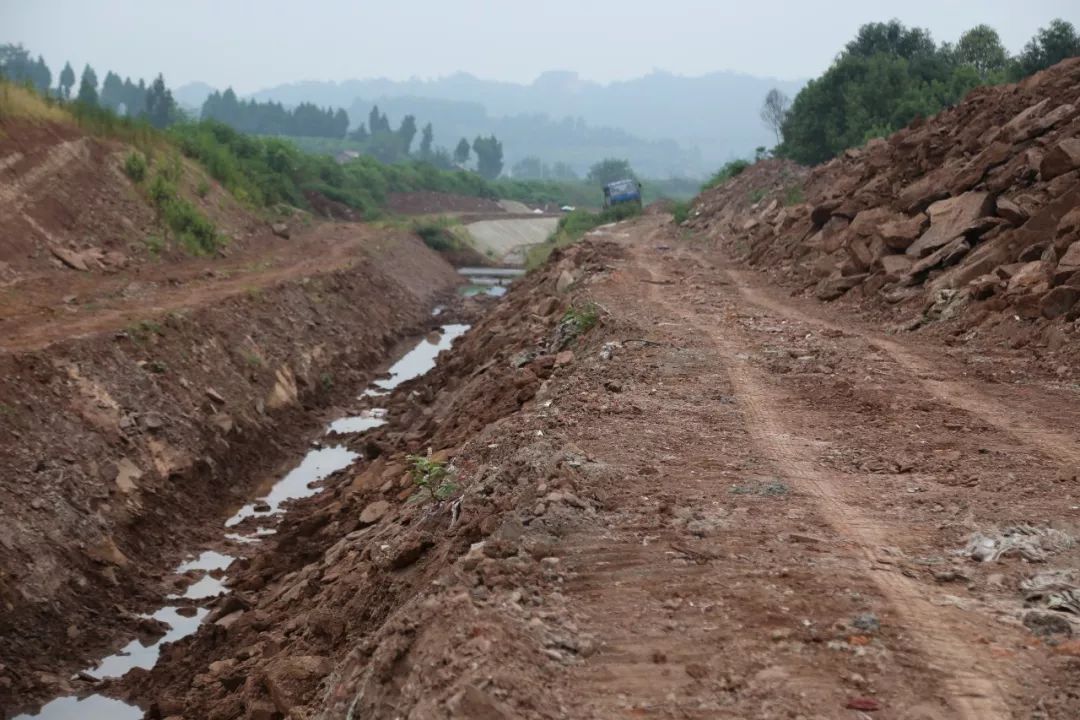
(358, 423)
(421, 358)
(94, 707)
(316, 466)
(488, 281)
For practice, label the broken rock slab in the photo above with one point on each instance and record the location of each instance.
(1062, 158)
(951, 218)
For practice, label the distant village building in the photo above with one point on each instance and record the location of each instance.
(345, 156)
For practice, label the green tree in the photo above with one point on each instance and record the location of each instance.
(406, 133)
(462, 151)
(609, 170)
(1050, 46)
(88, 87)
(427, 138)
(112, 92)
(16, 65)
(891, 38)
(529, 168)
(981, 48)
(563, 171)
(885, 78)
(67, 81)
(489, 157)
(160, 106)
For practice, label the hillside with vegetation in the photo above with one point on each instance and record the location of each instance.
(890, 74)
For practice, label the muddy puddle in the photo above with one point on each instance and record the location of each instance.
(247, 526)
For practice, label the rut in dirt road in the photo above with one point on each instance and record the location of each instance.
(637, 579)
(970, 686)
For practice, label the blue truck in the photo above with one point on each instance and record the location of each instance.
(622, 192)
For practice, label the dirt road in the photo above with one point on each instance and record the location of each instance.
(721, 502)
(795, 491)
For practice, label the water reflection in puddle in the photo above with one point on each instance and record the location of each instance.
(95, 707)
(421, 358)
(317, 465)
(359, 423)
(137, 655)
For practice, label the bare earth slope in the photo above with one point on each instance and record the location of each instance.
(722, 504)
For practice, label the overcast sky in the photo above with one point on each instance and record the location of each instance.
(255, 44)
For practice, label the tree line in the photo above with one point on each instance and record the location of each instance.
(270, 118)
(153, 102)
(890, 74)
(375, 137)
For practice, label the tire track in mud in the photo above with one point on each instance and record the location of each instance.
(1013, 420)
(971, 685)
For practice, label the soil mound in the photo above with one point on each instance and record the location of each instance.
(66, 204)
(978, 206)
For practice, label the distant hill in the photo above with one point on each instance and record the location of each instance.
(664, 124)
(716, 113)
(192, 96)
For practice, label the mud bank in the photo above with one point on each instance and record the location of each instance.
(121, 452)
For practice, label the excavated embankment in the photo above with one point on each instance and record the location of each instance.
(361, 600)
(122, 450)
(972, 215)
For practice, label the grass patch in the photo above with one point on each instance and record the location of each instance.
(575, 322)
(438, 233)
(680, 211)
(793, 195)
(757, 196)
(730, 170)
(193, 230)
(21, 103)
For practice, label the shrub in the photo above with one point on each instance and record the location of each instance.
(730, 170)
(135, 166)
(202, 189)
(680, 211)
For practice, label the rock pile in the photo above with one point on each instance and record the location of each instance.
(979, 204)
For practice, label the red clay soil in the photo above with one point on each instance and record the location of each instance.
(716, 502)
(132, 425)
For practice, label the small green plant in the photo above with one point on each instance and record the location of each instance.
(155, 244)
(254, 359)
(757, 196)
(327, 381)
(143, 330)
(680, 211)
(583, 317)
(135, 166)
(202, 189)
(432, 476)
(156, 366)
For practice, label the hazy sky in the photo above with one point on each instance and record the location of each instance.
(251, 45)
